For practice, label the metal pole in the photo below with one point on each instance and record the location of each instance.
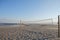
(20, 22)
(52, 21)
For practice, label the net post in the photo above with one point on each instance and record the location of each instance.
(58, 25)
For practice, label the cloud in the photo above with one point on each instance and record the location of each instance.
(9, 20)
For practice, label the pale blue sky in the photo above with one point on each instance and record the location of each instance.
(29, 9)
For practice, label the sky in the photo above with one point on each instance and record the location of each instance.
(29, 9)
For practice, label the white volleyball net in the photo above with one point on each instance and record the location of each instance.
(44, 21)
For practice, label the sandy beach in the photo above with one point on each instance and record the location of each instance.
(29, 32)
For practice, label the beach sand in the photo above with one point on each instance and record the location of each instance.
(29, 32)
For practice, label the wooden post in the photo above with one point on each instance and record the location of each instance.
(59, 26)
